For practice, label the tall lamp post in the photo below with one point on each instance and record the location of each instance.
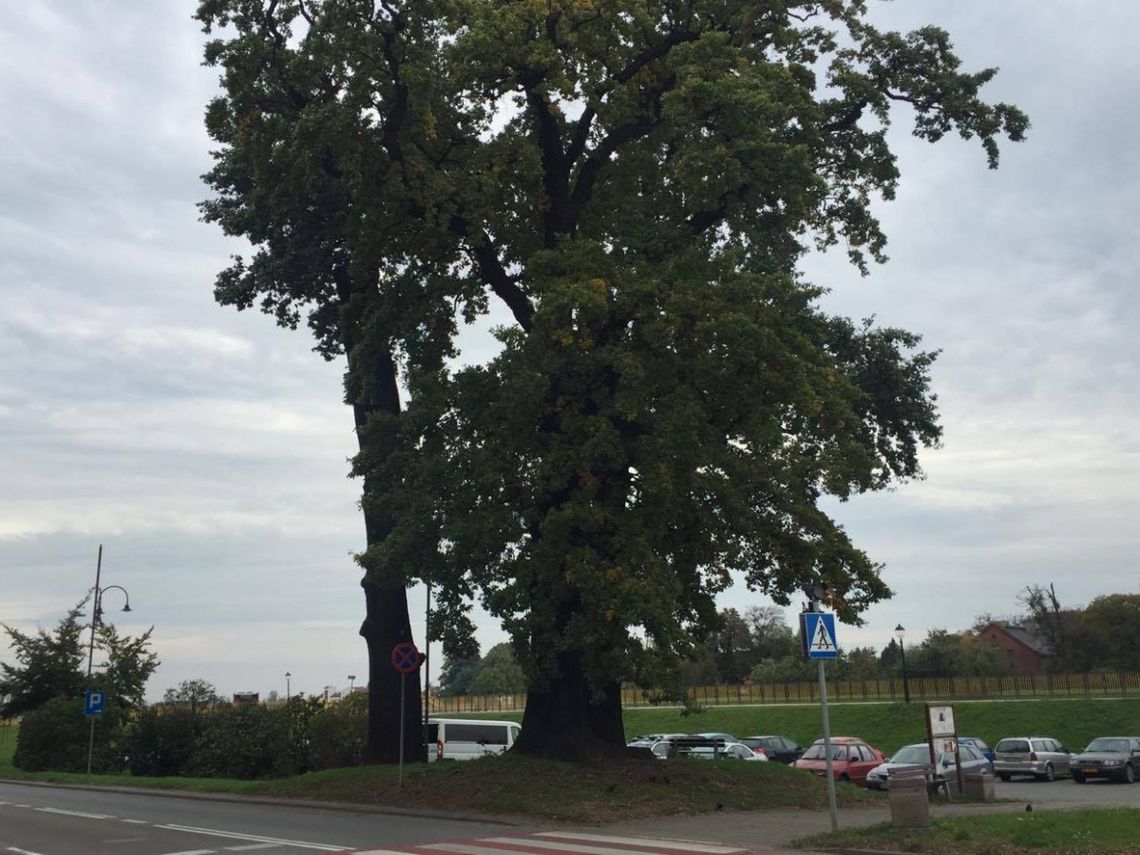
(97, 612)
(899, 631)
(288, 693)
(351, 683)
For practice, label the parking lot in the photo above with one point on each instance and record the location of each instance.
(1064, 791)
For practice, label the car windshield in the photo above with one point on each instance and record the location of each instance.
(912, 754)
(1109, 746)
(816, 752)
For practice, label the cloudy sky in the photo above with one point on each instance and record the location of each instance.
(206, 449)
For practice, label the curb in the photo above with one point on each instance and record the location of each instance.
(280, 801)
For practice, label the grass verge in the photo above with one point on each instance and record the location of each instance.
(584, 793)
(1085, 832)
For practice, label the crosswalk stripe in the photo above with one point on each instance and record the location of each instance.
(469, 849)
(561, 846)
(681, 845)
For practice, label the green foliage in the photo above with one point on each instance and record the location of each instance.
(498, 673)
(129, 665)
(244, 742)
(456, 675)
(49, 665)
(635, 185)
(194, 693)
(161, 741)
(337, 734)
(55, 736)
(1106, 634)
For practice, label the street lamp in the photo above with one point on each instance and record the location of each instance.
(287, 692)
(351, 682)
(899, 631)
(96, 613)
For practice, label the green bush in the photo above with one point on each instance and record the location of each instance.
(54, 737)
(338, 734)
(161, 740)
(245, 742)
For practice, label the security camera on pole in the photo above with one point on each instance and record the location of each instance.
(817, 634)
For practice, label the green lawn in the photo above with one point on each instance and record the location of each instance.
(1087, 832)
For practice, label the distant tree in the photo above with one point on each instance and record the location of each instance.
(129, 665)
(861, 663)
(194, 693)
(1045, 616)
(890, 657)
(48, 665)
(699, 668)
(733, 648)
(498, 673)
(787, 669)
(772, 636)
(457, 673)
(1106, 634)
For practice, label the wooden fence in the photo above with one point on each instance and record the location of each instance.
(1107, 685)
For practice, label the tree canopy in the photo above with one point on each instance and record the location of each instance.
(631, 186)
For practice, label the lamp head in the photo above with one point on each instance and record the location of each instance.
(127, 607)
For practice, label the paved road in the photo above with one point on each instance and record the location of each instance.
(61, 821)
(1064, 791)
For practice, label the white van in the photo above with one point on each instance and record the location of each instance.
(468, 739)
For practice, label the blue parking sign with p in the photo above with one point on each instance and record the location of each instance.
(819, 635)
(94, 703)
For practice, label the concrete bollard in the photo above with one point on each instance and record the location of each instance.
(910, 804)
(980, 785)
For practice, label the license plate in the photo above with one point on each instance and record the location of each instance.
(1089, 770)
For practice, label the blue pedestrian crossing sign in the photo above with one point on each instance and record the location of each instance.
(94, 703)
(819, 635)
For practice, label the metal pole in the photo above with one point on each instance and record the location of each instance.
(906, 682)
(427, 663)
(91, 652)
(827, 747)
(403, 718)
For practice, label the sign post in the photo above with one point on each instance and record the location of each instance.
(818, 630)
(942, 728)
(94, 705)
(405, 659)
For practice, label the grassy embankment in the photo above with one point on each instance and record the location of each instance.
(597, 792)
(628, 789)
(1087, 832)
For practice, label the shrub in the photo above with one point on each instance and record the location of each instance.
(54, 737)
(338, 734)
(161, 741)
(245, 742)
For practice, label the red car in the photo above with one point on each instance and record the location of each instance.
(851, 759)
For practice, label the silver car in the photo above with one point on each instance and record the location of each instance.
(918, 756)
(1041, 757)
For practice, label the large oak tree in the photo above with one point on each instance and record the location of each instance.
(631, 185)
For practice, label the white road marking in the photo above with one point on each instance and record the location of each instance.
(256, 838)
(78, 813)
(643, 841)
(135, 821)
(193, 852)
(250, 847)
(21, 851)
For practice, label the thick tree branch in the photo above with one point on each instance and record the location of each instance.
(484, 253)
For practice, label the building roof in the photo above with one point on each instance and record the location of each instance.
(1035, 642)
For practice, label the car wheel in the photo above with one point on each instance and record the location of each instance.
(1129, 774)
(1078, 778)
(1049, 775)
(1004, 777)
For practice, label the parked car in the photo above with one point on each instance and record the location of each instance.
(1041, 757)
(777, 748)
(979, 746)
(1108, 757)
(918, 755)
(851, 759)
(468, 739)
(726, 737)
(727, 751)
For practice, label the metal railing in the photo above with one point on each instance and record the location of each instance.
(1100, 684)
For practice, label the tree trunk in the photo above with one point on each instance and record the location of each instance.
(371, 386)
(567, 720)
